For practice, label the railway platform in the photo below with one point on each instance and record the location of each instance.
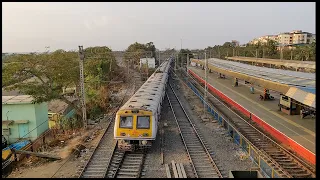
(302, 131)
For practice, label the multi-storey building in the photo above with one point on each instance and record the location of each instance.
(287, 38)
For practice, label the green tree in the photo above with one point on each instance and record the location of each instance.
(183, 54)
(42, 76)
(136, 51)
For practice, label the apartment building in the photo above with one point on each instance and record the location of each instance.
(288, 38)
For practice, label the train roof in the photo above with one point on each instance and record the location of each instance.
(149, 94)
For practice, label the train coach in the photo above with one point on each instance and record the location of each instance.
(136, 122)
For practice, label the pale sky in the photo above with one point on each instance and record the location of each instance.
(30, 27)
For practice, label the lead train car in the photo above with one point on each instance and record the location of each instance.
(136, 122)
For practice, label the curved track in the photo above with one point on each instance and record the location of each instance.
(200, 158)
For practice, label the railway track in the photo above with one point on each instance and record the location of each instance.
(98, 162)
(125, 164)
(285, 163)
(200, 158)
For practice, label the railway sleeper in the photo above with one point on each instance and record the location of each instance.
(282, 158)
(95, 171)
(272, 151)
(288, 164)
(195, 151)
(128, 173)
(136, 170)
(298, 175)
(128, 166)
(131, 163)
(277, 154)
(96, 168)
(198, 156)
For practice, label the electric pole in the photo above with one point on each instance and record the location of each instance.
(159, 58)
(187, 61)
(181, 59)
(205, 83)
(82, 92)
(175, 63)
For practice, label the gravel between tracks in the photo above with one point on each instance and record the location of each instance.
(225, 151)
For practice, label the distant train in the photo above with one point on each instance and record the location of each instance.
(136, 122)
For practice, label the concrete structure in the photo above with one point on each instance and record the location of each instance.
(151, 62)
(21, 119)
(287, 38)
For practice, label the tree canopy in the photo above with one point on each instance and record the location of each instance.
(44, 76)
(136, 51)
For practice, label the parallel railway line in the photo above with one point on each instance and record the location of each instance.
(125, 164)
(201, 161)
(284, 162)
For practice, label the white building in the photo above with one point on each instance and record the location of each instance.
(287, 38)
(150, 61)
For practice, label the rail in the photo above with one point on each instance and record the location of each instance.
(192, 143)
(246, 129)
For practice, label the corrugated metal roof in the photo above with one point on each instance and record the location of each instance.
(302, 96)
(57, 106)
(291, 78)
(20, 99)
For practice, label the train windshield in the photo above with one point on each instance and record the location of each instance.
(126, 122)
(143, 122)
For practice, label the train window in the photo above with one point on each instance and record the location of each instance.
(143, 122)
(126, 122)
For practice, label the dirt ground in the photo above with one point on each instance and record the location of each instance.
(69, 164)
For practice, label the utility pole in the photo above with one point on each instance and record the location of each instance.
(147, 68)
(257, 53)
(187, 61)
(233, 52)
(181, 60)
(82, 92)
(175, 63)
(205, 83)
(219, 51)
(291, 55)
(159, 58)
(262, 52)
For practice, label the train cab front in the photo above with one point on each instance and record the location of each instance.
(133, 130)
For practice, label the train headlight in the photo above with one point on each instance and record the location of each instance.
(145, 134)
(144, 142)
(122, 134)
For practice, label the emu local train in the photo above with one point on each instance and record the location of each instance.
(136, 122)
